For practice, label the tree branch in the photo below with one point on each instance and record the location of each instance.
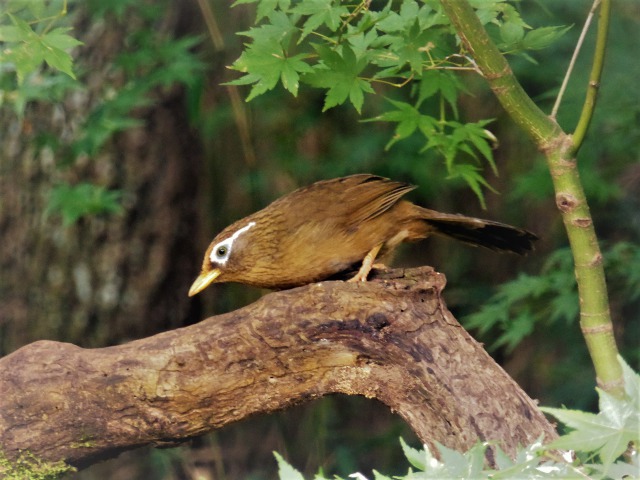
(496, 70)
(391, 339)
(558, 147)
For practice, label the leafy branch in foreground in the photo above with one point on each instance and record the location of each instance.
(348, 48)
(609, 434)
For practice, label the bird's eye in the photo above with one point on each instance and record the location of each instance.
(221, 251)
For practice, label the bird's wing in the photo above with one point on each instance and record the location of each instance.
(346, 202)
(368, 196)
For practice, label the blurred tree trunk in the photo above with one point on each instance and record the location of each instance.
(91, 283)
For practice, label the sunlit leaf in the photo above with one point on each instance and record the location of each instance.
(286, 471)
(609, 432)
(417, 458)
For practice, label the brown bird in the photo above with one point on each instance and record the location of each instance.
(333, 226)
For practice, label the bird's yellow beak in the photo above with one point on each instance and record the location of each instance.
(203, 281)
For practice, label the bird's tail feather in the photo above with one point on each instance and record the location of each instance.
(484, 233)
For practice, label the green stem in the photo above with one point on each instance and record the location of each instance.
(594, 78)
(557, 146)
(497, 72)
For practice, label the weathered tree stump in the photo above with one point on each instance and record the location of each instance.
(392, 339)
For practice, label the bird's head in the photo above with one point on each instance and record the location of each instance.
(223, 259)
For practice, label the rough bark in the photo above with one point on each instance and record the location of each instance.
(392, 339)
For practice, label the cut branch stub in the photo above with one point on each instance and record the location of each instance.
(391, 339)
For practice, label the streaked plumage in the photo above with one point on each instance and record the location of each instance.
(318, 231)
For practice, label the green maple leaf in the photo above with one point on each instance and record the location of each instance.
(265, 7)
(266, 63)
(471, 175)
(34, 48)
(409, 47)
(418, 458)
(320, 12)
(609, 432)
(409, 35)
(441, 82)
(280, 27)
(409, 119)
(465, 135)
(339, 73)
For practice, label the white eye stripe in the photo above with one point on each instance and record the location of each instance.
(226, 244)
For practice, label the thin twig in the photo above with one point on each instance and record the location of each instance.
(594, 77)
(212, 25)
(565, 81)
(239, 111)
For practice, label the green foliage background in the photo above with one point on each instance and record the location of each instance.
(525, 310)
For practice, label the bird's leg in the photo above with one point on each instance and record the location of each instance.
(367, 263)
